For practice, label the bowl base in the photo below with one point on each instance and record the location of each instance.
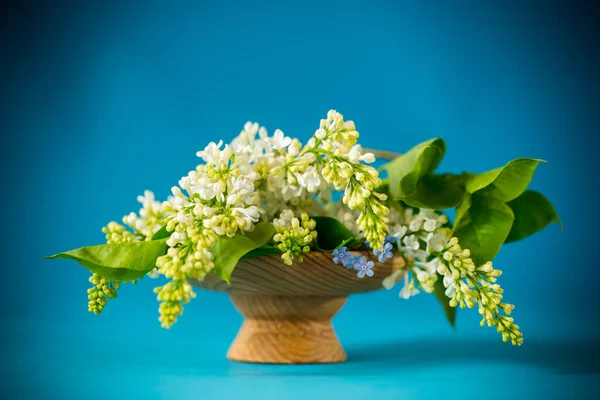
(287, 330)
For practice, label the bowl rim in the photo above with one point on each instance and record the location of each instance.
(317, 275)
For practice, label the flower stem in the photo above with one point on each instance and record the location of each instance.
(383, 154)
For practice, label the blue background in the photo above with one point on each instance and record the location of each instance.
(100, 102)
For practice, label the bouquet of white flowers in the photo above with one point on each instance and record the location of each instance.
(262, 195)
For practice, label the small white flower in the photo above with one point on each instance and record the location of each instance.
(262, 132)
(449, 285)
(411, 242)
(311, 179)
(251, 128)
(320, 133)
(246, 217)
(354, 154)
(390, 281)
(279, 140)
(419, 254)
(284, 220)
(408, 289)
(435, 242)
(211, 153)
(130, 219)
(153, 273)
(368, 158)
(349, 126)
(430, 266)
(400, 233)
(422, 276)
(176, 238)
(430, 225)
(415, 224)
(294, 148)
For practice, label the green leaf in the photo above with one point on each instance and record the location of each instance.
(263, 250)
(411, 179)
(331, 233)
(162, 233)
(440, 294)
(481, 225)
(229, 250)
(437, 192)
(405, 171)
(506, 183)
(533, 212)
(118, 261)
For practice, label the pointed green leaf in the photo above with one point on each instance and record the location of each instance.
(481, 225)
(264, 250)
(533, 212)
(505, 183)
(405, 172)
(437, 192)
(229, 250)
(162, 233)
(331, 233)
(440, 294)
(118, 261)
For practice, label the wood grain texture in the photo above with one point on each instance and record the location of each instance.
(287, 330)
(317, 275)
(288, 309)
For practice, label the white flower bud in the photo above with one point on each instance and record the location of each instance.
(368, 158)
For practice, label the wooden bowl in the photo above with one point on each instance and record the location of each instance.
(288, 309)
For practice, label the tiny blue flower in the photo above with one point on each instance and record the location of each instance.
(363, 266)
(384, 253)
(343, 256)
(391, 239)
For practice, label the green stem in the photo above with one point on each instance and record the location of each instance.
(383, 154)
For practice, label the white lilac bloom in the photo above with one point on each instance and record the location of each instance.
(415, 225)
(260, 177)
(211, 153)
(411, 243)
(150, 219)
(276, 178)
(430, 266)
(435, 242)
(390, 281)
(450, 285)
(311, 180)
(409, 289)
(397, 233)
(279, 141)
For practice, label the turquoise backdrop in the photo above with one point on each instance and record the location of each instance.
(102, 100)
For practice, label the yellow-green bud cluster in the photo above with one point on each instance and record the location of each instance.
(294, 235)
(116, 233)
(221, 200)
(335, 140)
(469, 285)
(425, 278)
(172, 297)
(100, 292)
(151, 218)
(190, 259)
